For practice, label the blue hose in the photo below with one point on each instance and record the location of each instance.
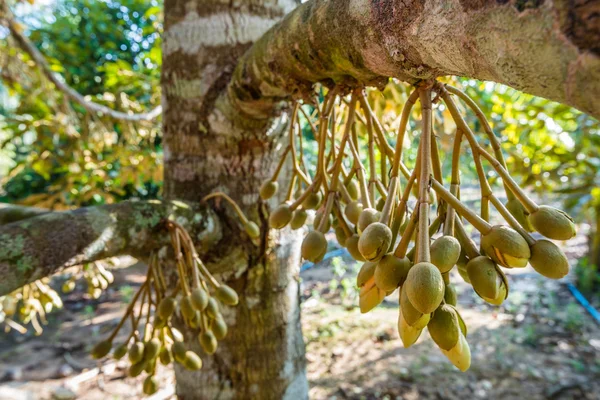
(583, 301)
(334, 253)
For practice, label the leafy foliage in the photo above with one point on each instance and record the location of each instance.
(62, 156)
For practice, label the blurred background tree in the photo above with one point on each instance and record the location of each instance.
(56, 154)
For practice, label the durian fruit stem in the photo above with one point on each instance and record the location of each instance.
(423, 254)
(530, 205)
(481, 225)
(406, 110)
(464, 239)
(454, 183)
(477, 150)
(402, 247)
(237, 209)
(372, 169)
(494, 142)
(358, 168)
(338, 164)
(389, 202)
(342, 221)
(127, 311)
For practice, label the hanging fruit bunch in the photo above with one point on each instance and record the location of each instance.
(96, 276)
(414, 249)
(29, 305)
(196, 300)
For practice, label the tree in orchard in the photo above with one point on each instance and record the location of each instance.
(236, 79)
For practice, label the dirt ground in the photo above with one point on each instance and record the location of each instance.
(540, 344)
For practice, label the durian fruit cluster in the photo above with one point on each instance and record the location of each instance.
(29, 305)
(413, 244)
(195, 301)
(96, 276)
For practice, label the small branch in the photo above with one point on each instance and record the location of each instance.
(75, 96)
(12, 213)
(43, 245)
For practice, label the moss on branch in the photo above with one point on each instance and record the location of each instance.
(42, 245)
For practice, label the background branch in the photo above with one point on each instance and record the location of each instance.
(71, 93)
(45, 244)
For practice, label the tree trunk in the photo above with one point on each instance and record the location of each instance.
(209, 147)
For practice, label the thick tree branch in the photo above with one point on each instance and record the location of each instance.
(68, 91)
(12, 213)
(546, 48)
(40, 246)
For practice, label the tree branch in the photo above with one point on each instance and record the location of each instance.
(68, 91)
(12, 213)
(40, 246)
(548, 49)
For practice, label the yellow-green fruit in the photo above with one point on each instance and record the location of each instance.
(317, 221)
(268, 189)
(352, 211)
(219, 328)
(340, 236)
(192, 361)
(484, 277)
(369, 296)
(212, 309)
(424, 287)
(391, 272)
(445, 252)
(352, 247)
(353, 189)
(178, 349)
(187, 308)
(506, 247)
(151, 349)
(460, 354)
(166, 307)
(367, 270)
(194, 322)
(500, 297)
(462, 271)
(158, 322)
(150, 385)
(375, 241)
(165, 355)
(549, 260)
(462, 258)
(314, 246)
(450, 296)
(227, 295)
(101, 349)
(280, 217)
(412, 316)
(68, 286)
(408, 334)
(120, 351)
(150, 366)
(517, 210)
(444, 328)
(298, 219)
(380, 204)
(136, 368)
(208, 341)
(136, 352)
(252, 229)
(199, 299)
(312, 201)
(367, 217)
(553, 223)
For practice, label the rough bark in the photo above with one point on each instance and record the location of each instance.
(208, 147)
(547, 48)
(42, 245)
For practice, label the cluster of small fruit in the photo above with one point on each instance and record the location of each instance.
(96, 276)
(370, 227)
(197, 307)
(29, 304)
